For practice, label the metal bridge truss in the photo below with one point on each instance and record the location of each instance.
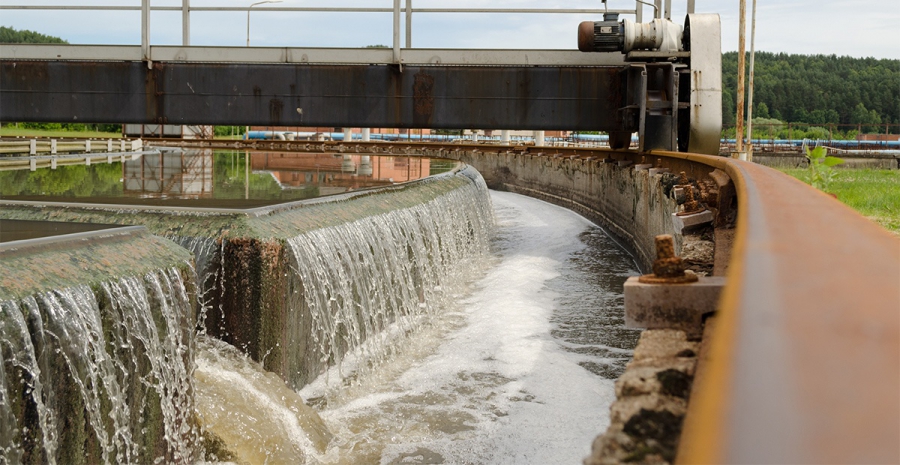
(671, 99)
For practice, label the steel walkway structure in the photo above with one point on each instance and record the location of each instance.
(669, 95)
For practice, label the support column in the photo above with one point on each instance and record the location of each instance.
(538, 138)
(408, 23)
(739, 125)
(504, 136)
(145, 32)
(366, 134)
(348, 135)
(185, 23)
(397, 31)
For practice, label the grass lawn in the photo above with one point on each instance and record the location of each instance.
(874, 193)
(60, 133)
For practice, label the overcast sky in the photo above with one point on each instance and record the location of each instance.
(860, 29)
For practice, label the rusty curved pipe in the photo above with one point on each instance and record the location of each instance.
(804, 363)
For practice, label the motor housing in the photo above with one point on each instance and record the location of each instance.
(602, 36)
(611, 35)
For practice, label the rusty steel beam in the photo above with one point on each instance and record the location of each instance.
(441, 97)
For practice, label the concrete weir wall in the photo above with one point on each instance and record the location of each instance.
(628, 193)
(97, 341)
(245, 263)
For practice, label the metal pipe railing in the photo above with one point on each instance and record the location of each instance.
(186, 9)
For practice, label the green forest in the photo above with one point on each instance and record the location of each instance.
(9, 35)
(817, 89)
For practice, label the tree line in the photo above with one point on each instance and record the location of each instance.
(9, 35)
(819, 90)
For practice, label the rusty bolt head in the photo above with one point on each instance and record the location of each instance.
(667, 268)
(665, 246)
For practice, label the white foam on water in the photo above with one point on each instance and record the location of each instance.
(489, 382)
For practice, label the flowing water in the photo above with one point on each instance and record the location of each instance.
(366, 284)
(441, 337)
(514, 364)
(520, 370)
(120, 353)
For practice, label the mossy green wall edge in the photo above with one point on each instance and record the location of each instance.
(28, 270)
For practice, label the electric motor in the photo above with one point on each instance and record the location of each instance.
(602, 36)
(612, 35)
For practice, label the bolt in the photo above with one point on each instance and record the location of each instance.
(667, 268)
(691, 205)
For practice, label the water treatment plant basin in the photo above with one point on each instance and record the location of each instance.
(207, 178)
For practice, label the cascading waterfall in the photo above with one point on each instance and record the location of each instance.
(107, 373)
(366, 283)
(207, 254)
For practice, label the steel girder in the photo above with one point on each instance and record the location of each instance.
(450, 97)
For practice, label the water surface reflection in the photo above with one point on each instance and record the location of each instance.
(216, 178)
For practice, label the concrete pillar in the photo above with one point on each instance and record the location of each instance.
(348, 134)
(32, 163)
(33, 147)
(504, 136)
(53, 146)
(347, 164)
(122, 145)
(365, 166)
(474, 136)
(538, 138)
(53, 163)
(87, 146)
(109, 145)
(366, 134)
(109, 159)
(87, 161)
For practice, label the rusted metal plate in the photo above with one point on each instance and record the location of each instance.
(457, 97)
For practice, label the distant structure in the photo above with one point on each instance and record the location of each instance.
(149, 131)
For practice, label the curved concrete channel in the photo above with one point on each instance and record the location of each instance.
(804, 363)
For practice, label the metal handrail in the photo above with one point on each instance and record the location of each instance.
(397, 10)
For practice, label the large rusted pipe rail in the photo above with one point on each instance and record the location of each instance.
(804, 366)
